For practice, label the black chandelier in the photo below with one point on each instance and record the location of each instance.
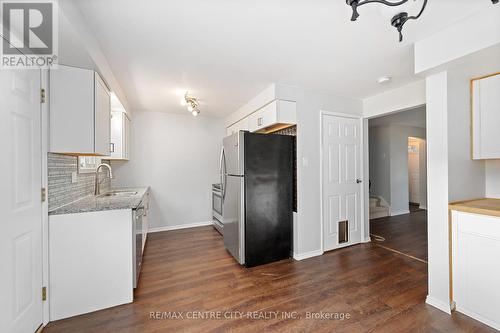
(398, 20)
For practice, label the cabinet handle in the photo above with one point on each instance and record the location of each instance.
(259, 121)
(112, 147)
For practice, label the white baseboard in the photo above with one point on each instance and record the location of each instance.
(180, 226)
(422, 207)
(472, 314)
(438, 304)
(367, 240)
(401, 212)
(306, 255)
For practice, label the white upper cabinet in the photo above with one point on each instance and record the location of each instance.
(486, 117)
(241, 125)
(80, 112)
(278, 113)
(120, 136)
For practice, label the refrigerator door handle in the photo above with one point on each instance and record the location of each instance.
(221, 171)
(223, 175)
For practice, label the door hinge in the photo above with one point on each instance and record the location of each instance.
(44, 293)
(44, 194)
(42, 95)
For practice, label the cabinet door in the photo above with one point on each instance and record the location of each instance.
(255, 121)
(71, 98)
(102, 117)
(486, 118)
(476, 273)
(269, 115)
(116, 135)
(126, 138)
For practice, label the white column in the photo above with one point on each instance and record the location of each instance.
(437, 190)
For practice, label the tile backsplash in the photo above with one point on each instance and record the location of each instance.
(62, 190)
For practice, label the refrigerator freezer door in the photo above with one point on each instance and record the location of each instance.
(268, 198)
(233, 196)
(233, 154)
(233, 221)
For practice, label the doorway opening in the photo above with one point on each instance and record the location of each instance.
(417, 175)
(398, 182)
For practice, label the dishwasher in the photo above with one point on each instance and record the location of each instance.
(137, 215)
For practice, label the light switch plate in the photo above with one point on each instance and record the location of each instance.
(74, 176)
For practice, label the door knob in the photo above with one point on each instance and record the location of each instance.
(358, 181)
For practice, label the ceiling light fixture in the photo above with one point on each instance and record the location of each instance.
(191, 103)
(398, 20)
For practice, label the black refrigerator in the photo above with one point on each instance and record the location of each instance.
(257, 193)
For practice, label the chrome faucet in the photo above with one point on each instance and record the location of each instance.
(97, 189)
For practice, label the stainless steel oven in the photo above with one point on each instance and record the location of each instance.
(217, 207)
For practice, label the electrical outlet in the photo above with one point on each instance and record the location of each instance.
(74, 177)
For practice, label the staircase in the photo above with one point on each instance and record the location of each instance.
(378, 208)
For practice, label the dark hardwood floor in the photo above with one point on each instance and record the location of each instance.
(189, 270)
(404, 233)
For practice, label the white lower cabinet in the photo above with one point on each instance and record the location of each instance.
(91, 262)
(475, 266)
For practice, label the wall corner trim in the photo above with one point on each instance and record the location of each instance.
(180, 226)
(307, 255)
(438, 304)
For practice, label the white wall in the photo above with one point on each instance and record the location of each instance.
(470, 35)
(396, 100)
(399, 166)
(389, 164)
(466, 176)
(178, 156)
(493, 179)
(309, 107)
(380, 161)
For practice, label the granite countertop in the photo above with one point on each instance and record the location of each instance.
(94, 203)
(484, 206)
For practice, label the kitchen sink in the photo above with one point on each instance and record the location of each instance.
(118, 193)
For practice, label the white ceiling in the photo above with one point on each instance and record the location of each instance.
(226, 51)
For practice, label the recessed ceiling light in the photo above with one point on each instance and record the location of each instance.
(384, 79)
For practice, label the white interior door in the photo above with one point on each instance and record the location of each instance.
(20, 198)
(414, 170)
(341, 142)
